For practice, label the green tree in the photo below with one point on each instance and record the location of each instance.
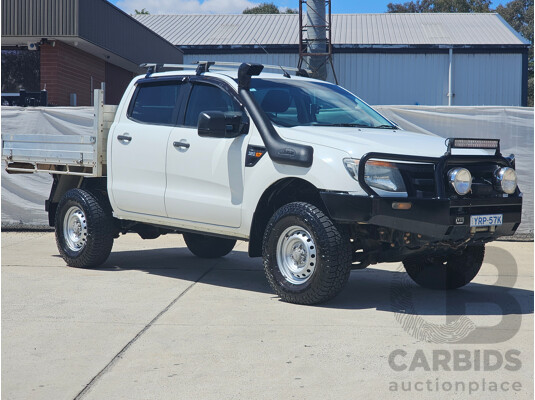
(142, 12)
(20, 70)
(449, 6)
(267, 8)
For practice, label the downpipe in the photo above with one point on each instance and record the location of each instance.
(279, 150)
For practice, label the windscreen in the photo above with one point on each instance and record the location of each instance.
(293, 102)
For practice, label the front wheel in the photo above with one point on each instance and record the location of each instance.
(446, 272)
(204, 246)
(307, 259)
(84, 229)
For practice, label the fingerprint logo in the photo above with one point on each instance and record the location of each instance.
(499, 298)
(414, 324)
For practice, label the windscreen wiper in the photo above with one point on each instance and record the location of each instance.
(347, 125)
(384, 127)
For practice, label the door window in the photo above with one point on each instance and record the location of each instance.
(156, 103)
(208, 98)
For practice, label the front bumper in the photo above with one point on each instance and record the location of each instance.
(435, 219)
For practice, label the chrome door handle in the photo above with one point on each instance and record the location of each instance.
(124, 138)
(181, 144)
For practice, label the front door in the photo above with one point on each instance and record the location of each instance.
(205, 175)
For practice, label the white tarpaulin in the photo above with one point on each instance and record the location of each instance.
(23, 196)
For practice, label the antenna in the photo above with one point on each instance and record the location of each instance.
(286, 74)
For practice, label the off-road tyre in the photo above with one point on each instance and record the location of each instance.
(205, 246)
(299, 224)
(446, 272)
(93, 245)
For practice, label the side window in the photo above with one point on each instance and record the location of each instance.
(208, 98)
(155, 103)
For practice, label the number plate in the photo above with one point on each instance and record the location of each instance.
(486, 220)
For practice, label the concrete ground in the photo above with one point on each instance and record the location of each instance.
(157, 323)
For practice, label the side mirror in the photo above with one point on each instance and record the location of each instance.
(219, 124)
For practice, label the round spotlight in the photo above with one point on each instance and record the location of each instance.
(461, 180)
(506, 180)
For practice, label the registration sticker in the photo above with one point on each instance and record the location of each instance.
(486, 220)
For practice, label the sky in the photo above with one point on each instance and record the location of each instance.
(237, 6)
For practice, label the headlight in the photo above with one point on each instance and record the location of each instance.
(378, 174)
(506, 180)
(461, 180)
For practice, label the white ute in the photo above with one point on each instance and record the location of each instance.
(317, 181)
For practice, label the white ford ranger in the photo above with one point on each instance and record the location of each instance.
(312, 177)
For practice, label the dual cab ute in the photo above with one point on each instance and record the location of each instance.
(312, 177)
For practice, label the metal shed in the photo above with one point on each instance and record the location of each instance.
(384, 58)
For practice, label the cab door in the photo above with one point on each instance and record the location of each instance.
(139, 146)
(205, 175)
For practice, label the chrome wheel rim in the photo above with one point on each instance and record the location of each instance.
(75, 228)
(296, 255)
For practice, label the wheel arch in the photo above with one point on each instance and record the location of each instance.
(281, 192)
(62, 184)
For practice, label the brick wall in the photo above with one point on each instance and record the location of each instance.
(66, 69)
(117, 79)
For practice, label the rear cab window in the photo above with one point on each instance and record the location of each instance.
(156, 103)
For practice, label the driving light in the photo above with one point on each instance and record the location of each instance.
(506, 180)
(475, 143)
(461, 180)
(378, 174)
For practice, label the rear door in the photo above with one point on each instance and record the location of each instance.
(204, 174)
(139, 146)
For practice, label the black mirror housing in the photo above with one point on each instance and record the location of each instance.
(219, 124)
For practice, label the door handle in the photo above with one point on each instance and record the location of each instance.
(124, 138)
(181, 144)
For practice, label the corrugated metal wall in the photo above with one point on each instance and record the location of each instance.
(55, 17)
(288, 59)
(487, 79)
(395, 78)
(413, 78)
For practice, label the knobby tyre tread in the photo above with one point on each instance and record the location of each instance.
(100, 228)
(205, 246)
(446, 273)
(334, 254)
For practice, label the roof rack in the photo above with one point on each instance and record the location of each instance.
(205, 66)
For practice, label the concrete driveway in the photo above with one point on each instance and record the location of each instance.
(157, 323)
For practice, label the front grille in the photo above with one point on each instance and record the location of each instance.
(419, 179)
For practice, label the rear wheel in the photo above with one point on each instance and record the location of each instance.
(84, 229)
(204, 246)
(307, 259)
(446, 272)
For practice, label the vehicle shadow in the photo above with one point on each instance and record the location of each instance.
(372, 288)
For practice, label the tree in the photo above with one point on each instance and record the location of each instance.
(449, 6)
(267, 8)
(20, 70)
(142, 12)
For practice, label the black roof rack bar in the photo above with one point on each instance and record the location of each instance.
(216, 65)
(237, 64)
